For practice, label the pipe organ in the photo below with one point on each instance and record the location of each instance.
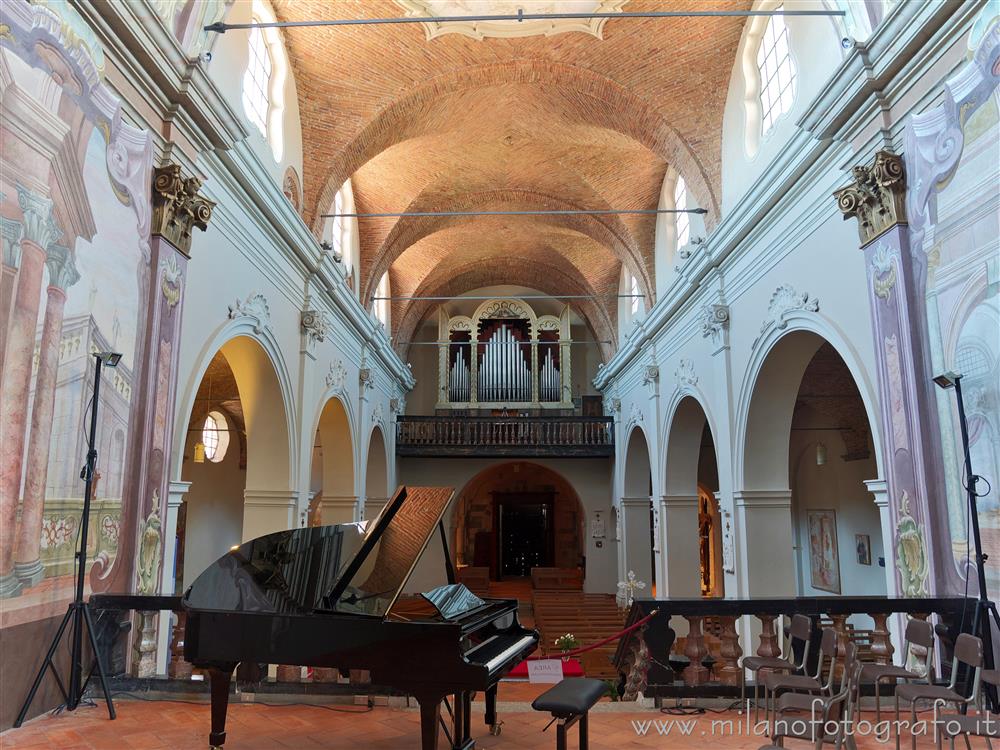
(504, 356)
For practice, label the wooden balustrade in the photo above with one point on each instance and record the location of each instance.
(504, 436)
(704, 665)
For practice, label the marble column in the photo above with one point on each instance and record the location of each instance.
(39, 232)
(62, 274)
(10, 235)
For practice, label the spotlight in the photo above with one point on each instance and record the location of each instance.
(109, 359)
(947, 379)
(846, 42)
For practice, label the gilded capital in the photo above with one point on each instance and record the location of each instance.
(877, 197)
(177, 207)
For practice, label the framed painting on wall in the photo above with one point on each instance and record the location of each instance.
(824, 559)
(864, 544)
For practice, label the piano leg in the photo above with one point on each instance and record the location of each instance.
(491, 711)
(430, 713)
(220, 678)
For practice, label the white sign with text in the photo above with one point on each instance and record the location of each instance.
(545, 670)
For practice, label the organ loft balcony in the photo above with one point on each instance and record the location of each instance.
(505, 384)
(507, 436)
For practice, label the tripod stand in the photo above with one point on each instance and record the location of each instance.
(78, 614)
(985, 608)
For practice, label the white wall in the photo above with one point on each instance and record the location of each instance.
(214, 521)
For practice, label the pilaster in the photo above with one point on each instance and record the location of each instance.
(339, 509)
(681, 553)
(876, 198)
(765, 541)
(175, 496)
(635, 537)
(267, 511)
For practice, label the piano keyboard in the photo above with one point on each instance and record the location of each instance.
(497, 650)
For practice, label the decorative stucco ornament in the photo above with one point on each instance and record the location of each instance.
(314, 325)
(255, 307)
(877, 197)
(884, 272)
(714, 320)
(170, 281)
(177, 207)
(728, 546)
(336, 377)
(378, 416)
(911, 551)
(685, 374)
(149, 549)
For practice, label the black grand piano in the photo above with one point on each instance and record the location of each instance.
(332, 596)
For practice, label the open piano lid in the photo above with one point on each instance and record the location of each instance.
(354, 568)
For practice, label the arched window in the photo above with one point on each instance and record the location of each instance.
(681, 221)
(381, 305)
(215, 436)
(337, 225)
(257, 80)
(777, 72)
(633, 289)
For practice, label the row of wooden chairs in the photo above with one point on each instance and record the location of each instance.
(787, 694)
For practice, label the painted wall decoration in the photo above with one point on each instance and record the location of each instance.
(74, 210)
(824, 556)
(954, 211)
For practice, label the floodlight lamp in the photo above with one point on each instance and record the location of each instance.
(109, 359)
(947, 379)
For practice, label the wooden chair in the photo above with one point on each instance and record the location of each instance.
(968, 651)
(800, 632)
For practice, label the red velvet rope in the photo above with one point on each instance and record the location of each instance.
(600, 643)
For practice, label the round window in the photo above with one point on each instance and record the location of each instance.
(215, 436)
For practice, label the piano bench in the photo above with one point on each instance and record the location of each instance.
(569, 702)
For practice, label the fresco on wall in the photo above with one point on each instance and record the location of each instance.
(74, 211)
(956, 225)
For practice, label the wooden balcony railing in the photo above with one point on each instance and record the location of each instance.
(578, 437)
(706, 662)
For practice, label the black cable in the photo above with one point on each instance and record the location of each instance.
(339, 709)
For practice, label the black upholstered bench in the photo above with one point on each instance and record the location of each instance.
(569, 702)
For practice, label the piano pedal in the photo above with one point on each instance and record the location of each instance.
(496, 728)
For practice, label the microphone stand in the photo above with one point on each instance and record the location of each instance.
(78, 614)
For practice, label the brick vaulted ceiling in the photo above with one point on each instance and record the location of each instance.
(456, 123)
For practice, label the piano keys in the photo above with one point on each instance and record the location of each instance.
(332, 596)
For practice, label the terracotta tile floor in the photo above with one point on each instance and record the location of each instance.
(158, 724)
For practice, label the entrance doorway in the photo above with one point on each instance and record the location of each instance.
(525, 532)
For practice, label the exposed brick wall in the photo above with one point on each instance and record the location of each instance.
(537, 121)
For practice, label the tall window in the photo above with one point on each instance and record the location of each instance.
(777, 72)
(257, 80)
(633, 289)
(382, 304)
(337, 227)
(681, 221)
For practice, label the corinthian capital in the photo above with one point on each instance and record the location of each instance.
(62, 267)
(177, 207)
(877, 197)
(39, 226)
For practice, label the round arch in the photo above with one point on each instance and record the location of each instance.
(637, 475)
(377, 464)
(765, 378)
(336, 496)
(262, 367)
(474, 528)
